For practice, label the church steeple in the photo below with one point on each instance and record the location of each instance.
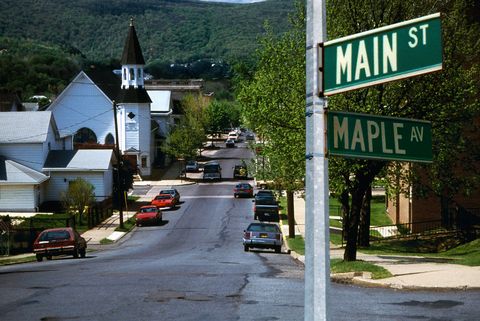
(132, 61)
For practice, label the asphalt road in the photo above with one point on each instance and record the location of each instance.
(193, 267)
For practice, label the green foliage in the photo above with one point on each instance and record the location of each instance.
(273, 101)
(188, 135)
(222, 114)
(78, 196)
(33, 68)
(168, 30)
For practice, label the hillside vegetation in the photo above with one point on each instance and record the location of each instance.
(169, 30)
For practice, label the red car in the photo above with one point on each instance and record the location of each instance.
(243, 189)
(164, 200)
(59, 241)
(149, 214)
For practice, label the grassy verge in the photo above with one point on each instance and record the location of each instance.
(106, 241)
(340, 266)
(127, 225)
(17, 260)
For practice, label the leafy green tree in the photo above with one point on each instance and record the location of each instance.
(78, 197)
(222, 114)
(273, 101)
(187, 137)
(449, 99)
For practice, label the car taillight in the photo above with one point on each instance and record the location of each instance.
(247, 235)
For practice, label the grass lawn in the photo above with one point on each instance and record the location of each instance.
(127, 225)
(340, 266)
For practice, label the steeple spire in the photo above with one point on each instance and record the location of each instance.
(132, 60)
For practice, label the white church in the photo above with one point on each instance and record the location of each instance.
(84, 109)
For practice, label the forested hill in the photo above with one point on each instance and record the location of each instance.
(168, 30)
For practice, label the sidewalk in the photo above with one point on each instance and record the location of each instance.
(409, 272)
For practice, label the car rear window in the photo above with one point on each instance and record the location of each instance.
(55, 236)
(163, 197)
(263, 228)
(148, 210)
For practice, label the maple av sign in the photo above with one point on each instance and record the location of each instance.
(380, 55)
(379, 137)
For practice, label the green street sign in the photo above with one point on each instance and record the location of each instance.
(380, 55)
(379, 137)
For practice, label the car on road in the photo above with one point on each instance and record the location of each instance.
(263, 235)
(173, 192)
(59, 241)
(250, 136)
(192, 166)
(230, 143)
(212, 171)
(240, 172)
(149, 214)
(243, 189)
(164, 200)
(233, 135)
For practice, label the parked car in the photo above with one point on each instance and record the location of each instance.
(240, 172)
(243, 189)
(192, 166)
(149, 214)
(59, 241)
(212, 171)
(164, 200)
(230, 143)
(263, 235)
(266, 207)
(250, 136)
(173, 192)
(233, 135)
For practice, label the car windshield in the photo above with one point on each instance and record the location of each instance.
(245, 186)
(148, 209)
(212, 168)
(55, 235)
(163, 197)
(167, 191)
(265, 201)
(262, 228)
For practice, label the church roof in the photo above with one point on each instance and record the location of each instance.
(132, 53)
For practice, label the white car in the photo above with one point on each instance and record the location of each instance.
(233, 135)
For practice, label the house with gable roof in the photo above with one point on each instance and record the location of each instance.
(84, 109)
(36, 164)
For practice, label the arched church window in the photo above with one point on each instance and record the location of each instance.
(132, 74)
(109, 140)
(124, 74)
(85, 135)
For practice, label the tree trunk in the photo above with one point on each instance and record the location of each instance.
(352, 226)
(290, 215)
(344, 200)
(364, 228)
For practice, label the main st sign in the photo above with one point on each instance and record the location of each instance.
(379, 137)
(376, 56)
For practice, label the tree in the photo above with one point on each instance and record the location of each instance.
(221, 114)
(188, 135)
(449, 109)
(273, 102)
(78, 197)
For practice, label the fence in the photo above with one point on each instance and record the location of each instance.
(17, 234)
(406, 229)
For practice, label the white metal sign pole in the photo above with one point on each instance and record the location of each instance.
(317, 249)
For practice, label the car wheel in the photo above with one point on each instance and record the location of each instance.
(49, 257)
(245, 248)
(75, 253)
(83, 253)
(39, 257)
(278, 249)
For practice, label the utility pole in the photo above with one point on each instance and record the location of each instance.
(317, 246)
(119, 163)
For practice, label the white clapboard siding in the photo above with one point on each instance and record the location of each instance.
(30, 155)
(17, 198)
(58, 184)
(82, 104)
